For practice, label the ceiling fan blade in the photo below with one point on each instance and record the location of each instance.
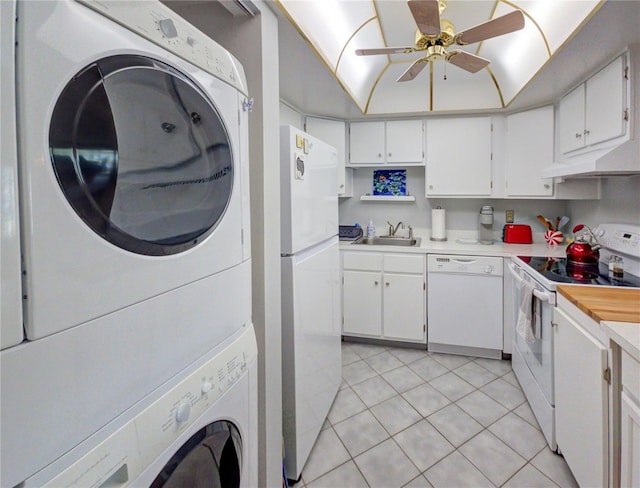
(385, 50)
(414, 70)
(426, 13)
(466, 61)
(492, 28)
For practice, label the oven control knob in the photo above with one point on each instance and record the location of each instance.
(183, 413)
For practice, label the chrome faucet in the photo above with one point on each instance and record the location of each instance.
(392, 229)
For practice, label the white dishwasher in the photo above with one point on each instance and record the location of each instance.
(464, 305)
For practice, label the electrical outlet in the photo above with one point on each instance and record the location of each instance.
(509, 216)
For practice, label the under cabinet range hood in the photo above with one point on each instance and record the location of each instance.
(620, 160)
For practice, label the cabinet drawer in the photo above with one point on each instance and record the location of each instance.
(404, 263)
(364, 261)
(630, 376)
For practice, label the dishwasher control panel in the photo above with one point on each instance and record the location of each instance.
(452, 264)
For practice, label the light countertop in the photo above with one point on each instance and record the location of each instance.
(626, 335)
(465, 243)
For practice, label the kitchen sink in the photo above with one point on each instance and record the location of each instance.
(388, 241)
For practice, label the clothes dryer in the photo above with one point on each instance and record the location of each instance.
(134, 217)
(200, 432)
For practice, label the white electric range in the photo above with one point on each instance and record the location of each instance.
(533, 360)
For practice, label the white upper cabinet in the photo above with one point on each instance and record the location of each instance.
(529, 140)
(595, 111)
(333, 132)
(458, 157)
(397, 142)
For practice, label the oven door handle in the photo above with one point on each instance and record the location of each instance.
(545, 297)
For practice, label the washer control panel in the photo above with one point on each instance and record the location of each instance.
(125, 454)
(160, 25)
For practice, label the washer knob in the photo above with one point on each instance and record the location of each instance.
(207, 386)
(183, 413)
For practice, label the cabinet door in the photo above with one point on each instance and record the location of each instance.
(529, 150)
(605, 104)
(571, 121)
(405, 141)
(630, 442)
(404, 307)
(581, 401)
(362, 295)
(458, 157)
(366, 143)
(332, 132)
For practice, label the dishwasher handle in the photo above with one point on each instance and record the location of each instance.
(545, 297)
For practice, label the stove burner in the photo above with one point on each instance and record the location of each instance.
(581, 273)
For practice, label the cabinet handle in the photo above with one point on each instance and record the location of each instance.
(586, 132)
(379, 155)
(375, 283)
(578, 136)
(546, 186)
(387, 283)
(554, 324)
(389, 154)
(430, 187)
(341, 186)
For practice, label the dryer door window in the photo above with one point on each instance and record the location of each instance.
(211, 458)
(142, 155)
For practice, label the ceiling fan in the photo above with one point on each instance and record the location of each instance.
(435, 34)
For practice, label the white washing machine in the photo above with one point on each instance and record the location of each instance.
(200, 432)
(132, 180)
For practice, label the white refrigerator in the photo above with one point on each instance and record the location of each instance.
(311, 329)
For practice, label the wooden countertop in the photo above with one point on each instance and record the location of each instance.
(605, 303)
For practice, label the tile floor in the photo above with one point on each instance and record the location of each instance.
(407, 417)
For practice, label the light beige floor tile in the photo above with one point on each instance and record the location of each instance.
(402, 379)
(452, 386)
(496, 366)
(419, 482)
(455, 471)
(455, 425)
(327, 453)
(451, 361)
(424, 445)
(529, 477)
(504, 393)
(384, 362)
(407, 355)
(395, 414)
(510, 378)
(519, 435)
(555, 467)
(374, 391)
(426, 399)
(357, 372)
(367, 350)
(346, 404)
(386, 466)
(346, 475)
(360, 432)
(494, 458)
(524, 411)
(428, 368)
(482, 408)
(349, 355)
(475, 374)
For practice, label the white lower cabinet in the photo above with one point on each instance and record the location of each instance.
(630, 423)
(384, 296)
(581, 395)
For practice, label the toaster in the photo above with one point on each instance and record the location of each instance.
(517, 234)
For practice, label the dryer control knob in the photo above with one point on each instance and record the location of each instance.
(183, 413)
(207, 386)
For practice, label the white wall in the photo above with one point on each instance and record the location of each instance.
(461, 213)
(620, 203)
(254, 41)
(289, 116)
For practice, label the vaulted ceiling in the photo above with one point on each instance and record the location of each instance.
(334, 29)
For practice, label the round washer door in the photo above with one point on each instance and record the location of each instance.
(211, 458)
(142, 155)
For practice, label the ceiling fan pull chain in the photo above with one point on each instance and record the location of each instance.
(445, 71)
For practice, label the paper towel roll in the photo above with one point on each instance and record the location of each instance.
(438, 228)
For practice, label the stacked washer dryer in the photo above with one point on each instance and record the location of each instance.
(132, 181)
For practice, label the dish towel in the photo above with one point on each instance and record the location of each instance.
(526, 325)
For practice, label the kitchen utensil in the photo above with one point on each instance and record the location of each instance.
(564, 220)
(549, 224)
(557, 222)
(584, 249)
(517, 234)
(542, 220)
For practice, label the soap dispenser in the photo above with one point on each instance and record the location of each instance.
(371, 229)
